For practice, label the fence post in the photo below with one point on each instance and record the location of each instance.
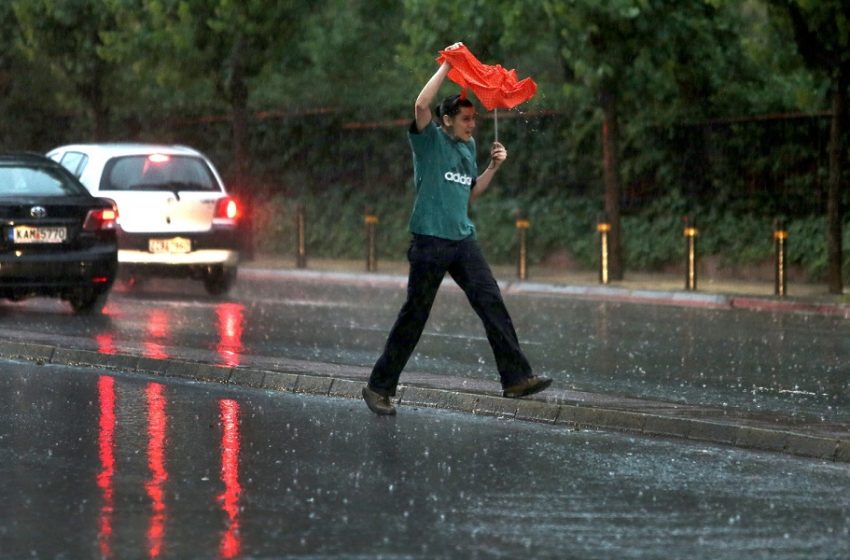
(522, 225)
(690, 233)
(300, 237)
(603, 226)
(371, 221)
(780, 251)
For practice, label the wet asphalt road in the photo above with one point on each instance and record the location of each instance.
(96, 464)
(790, 363)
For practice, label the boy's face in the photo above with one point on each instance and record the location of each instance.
(462, 125)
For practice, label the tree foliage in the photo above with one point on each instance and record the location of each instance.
(67, 37)
(822, 35)
(300, 98)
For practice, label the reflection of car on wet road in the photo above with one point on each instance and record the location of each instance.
(57, 239)
(176, 216)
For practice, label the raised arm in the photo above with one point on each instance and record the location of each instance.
(429, 92)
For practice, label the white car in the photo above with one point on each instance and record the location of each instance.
(175, 216)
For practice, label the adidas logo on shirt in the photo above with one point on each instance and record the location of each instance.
(455, 177)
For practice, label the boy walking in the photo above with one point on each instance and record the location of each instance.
(447, 181)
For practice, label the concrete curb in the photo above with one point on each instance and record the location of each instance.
(736, 432)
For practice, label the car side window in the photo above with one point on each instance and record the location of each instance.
(74, 162)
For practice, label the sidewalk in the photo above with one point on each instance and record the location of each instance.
(652, 288)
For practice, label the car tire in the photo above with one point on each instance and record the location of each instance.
(88, 302)
(219, 279)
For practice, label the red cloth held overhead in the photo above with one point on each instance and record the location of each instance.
(494, 86)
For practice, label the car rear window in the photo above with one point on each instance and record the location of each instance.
(37, 181)
(158, 172)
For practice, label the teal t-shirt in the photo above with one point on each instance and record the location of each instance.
(444, 171)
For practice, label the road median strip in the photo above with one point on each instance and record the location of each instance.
(737, 431)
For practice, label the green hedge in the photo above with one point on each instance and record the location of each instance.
(652, 237)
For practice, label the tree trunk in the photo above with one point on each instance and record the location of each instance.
(101, 122)
(92, 92)
(834, 213)
(238, 92)
(611, 181)
(239, 181)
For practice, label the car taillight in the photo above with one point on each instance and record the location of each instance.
(101, 219)
(226, 209)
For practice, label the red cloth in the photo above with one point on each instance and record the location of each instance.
(494, 86)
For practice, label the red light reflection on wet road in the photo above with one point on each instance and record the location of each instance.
(231, 542)
(157, 330)
(156, 463)
(230, 325)
(105, 343)
(106, 453)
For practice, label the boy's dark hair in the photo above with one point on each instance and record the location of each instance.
(451, 105)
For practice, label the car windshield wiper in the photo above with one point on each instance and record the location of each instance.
(188, 186)
(174, 187)
(177, 186)
(147, 187)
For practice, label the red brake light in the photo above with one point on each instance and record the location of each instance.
(101, 219)
(158, 158)
(226, 209)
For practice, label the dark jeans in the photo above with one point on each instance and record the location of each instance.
(430, 258)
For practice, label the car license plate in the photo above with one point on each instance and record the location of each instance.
(29, 234)
(172, 245)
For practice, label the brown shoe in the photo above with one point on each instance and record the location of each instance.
(378, 403)
(527, 386)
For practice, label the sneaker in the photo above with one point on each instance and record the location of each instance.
(378, 403)
(527, 386)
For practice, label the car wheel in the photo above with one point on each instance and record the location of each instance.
(219, 279)
(88, 302)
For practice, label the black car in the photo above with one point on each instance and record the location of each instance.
(56, 239)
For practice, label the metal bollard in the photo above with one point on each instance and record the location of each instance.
(691, 233)
(371, 221)
(300, 237)
(522, 225)
(603, 226)
(780, 251)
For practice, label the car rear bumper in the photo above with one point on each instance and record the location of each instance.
(52, 274)
(219, 246)
(203, 257)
